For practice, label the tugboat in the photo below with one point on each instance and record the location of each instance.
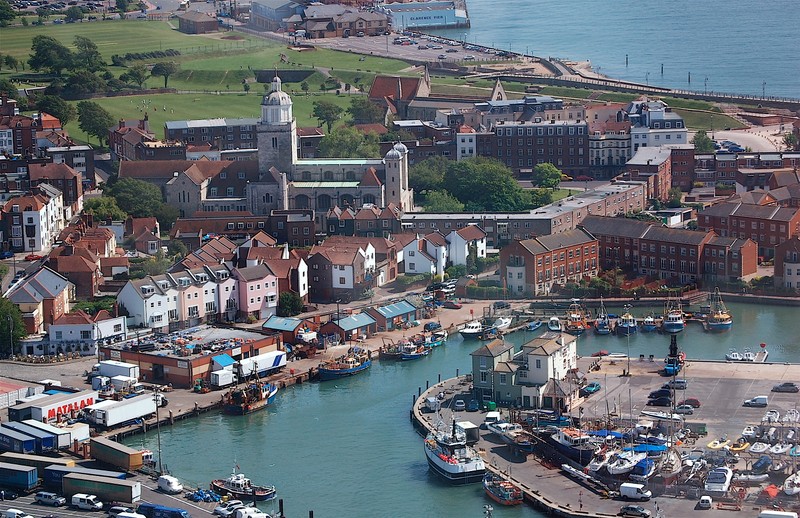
(240, 487)
(718, 318)
(355, 361)
(451, 458)
(253, 396)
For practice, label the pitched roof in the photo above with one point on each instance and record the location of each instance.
(395, 310)
(196, 16)
(620, 227)
(551, 242)
(52, 170)
(253, 273)
(676, 235)
(388, 86)
(355, 321)
(493, 349)
(471, 233)
(282, 323)
(370, 179)
(42, 285)
(436, 238)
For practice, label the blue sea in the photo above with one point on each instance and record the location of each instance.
(737, 46)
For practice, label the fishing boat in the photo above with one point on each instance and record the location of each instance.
(501, 490)
(602, 324)
(498, 427)
(515, 435)
(674, 321)
(392, 351)
(502, 323)
(238, 486)
(451, 458)
(355, 361)
(719, 479)
(554, 324)
(733, 356)
(626, 324)
(533, 326)
(489, 333)
(624, 462)
(791, 486)
(576, 318)
(249, 397)
(649, 324)
(718, 319)
(471, 329)
(573, 443)
(439, 336)
(412, 351)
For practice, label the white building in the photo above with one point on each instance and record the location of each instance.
(462, 240)
(426, 254)
(35, 220)
(79, 331)
(653, 123)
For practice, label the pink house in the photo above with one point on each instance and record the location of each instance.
(258, 291)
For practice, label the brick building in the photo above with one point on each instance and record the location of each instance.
(787, 264)
(768, 226)
(195, 22)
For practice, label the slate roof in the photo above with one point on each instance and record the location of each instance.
(493, 349)
(551, 242)
(620, 227)
(253, 273)
(355, 321)
(675, 235)
(282, 323)
(471, 233)
(42, 285)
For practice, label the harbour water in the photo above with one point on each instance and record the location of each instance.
(347, 448)
(738, 46)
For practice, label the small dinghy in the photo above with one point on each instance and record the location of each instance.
(759, 447)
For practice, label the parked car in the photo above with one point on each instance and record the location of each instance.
(228, 508)
(117, 509)
(9, 494)
(47, 498)
(441, 56)
(660, 401)
(684, 409)
(452, 304)
(590, 389)
(473, 406)
(33, 257)
(6, 255)
(788, 386)
(634, 510)
(460, 405)
(705, 502)
(690, 401)
(660, 393)
(432, 326)
(469, 57)
(501, 304)
(677, 384)
(451, 51)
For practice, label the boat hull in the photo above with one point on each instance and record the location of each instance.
(261, 494)
(673, 327)
(455, 474)
(719, 326)
(244, 408)
(502, 492)
(626, 330)
(332, 374)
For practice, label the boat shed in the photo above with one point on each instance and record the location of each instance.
(288, 327)
(354, 327)
(222, 361)
(392, 316)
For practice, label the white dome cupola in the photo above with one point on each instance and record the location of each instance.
(276, 107)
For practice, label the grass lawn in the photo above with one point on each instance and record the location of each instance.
(207, 106)
(560, 194)
(702, 120)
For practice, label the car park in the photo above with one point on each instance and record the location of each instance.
(460, 405)
(47, 498)
(690, 401)
(634, 510)
(788, 386)
(660, 401)
(684, 409)
(228, 508)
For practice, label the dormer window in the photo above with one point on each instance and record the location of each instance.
(148, 290)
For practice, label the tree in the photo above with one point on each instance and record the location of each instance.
(166, 215)
(74, 14)
(165, 69)
(304, 87)
(176, 247)
(326, 113)
(442, 201)
(93, 119)
(675, 196)
(246, 86)
(456, 271)
(702, 142)
(48, 54)
(546, 175)
(57, 107)
(137, 74)
(364, 111)
(11, 62)
(289, 304)
(540, 197)
(428, 175)
(12, 327)
(8, 88)
(348, 142)
(6, 13)
(138, 198)
(87, 55)
(789, 140)
(104, 208)
(483, 184)
(123, 5)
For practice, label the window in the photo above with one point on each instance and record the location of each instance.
(341, 280)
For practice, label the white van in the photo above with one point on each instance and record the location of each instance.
(631, 491)
(768, 513)
(169, 484)
(15, 513)
(131, 515)
(491, 418)
(86, 502)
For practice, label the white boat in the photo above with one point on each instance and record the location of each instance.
(748, 356)
(674, 321)
(750, 478)
(771, 416)
(662, 415)
(759, 447)
(719, 480)
(624, 462)
(791, 486)
(780, 448)
(649, 324)
(749, 432)
(451, 458)
(790, 436)
(601, 459)
(791, 416)
(498, 427)
(554, 324)
(502, 323)
(471, 330)
(733, 356)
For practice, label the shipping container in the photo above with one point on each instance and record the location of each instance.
(115, 454)
(63, 437)
(20, 411)
(37, 461)
(52, 475)
(114, 413)
(106, 489)
(222, 378)
(113, 368)
(66, 405)
(14, 476)
(45, 442)
(12, 440)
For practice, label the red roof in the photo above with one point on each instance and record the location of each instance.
(471, 233)
(370, 179)
(394, 87)
(378, 129)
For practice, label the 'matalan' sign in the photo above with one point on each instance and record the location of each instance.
(69, 407)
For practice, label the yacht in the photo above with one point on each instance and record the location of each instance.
(471, 329)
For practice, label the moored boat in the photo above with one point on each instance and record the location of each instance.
(392, 351)
(355, 361)
(489, 333)
(451, 458)
(554, 324)
(533, 326)
(718, 319)
(249, 397)
(733, 356)
(758, 447)
(240, 487)
(674, 321)
(573, 443)
(501, 490)
(626, 324)
(624, 462)
(791, 486)
(471, 329)
(649, 324)
(576, 318)
(412, 351)
(502, 323)
(602, 324)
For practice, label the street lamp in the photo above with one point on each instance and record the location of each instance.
(705, 86)
(157, 399)
(627, 310)
(11, 333)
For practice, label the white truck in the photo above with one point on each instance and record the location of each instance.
(261, 365)
(112, 413)
(223, 378)
(170, 485)
(113, 368)
(123, 383)
(631, 491)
